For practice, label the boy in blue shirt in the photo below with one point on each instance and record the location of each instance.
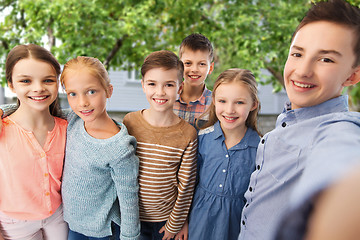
(316, 139)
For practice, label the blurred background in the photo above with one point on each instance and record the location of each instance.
(253, 34)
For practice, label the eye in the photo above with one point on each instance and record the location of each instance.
(151, 84)
(203, 64)
(49, 80)
(187, 63)
(239, 102)
(25, 81)
(170, 85)
(71, 94)
(297, 55)
(221, 101)
(91, 92)
(327, 60)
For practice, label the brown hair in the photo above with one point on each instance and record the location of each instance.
(163, 59)
(197, 41)
(241, 76)
(339, 12)
(38, 53)
(93, 65)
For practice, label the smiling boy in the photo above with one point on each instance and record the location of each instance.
(166, 147)
(196, 52)
(316, 139)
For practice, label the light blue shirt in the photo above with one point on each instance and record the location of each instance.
(321, 141)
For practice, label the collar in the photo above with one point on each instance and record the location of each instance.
(201, 100)
(338, 104)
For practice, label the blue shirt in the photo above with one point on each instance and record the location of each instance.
(223, 177)
(318, 139)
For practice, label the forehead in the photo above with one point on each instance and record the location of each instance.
(323, 35)
(200, 55)
(233, 89)
(161, 74)
(30, 66)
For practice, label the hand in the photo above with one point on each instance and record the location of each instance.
(183, 234)
(167, 235)
(1, 113)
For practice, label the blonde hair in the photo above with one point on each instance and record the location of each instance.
(93, 65)
(241, 76)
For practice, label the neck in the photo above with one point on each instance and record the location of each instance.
(31, 120)
(191, 93)
(102, 127)
(160, 119)
(234, 136)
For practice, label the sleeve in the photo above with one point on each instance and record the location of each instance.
(8, 109)
(186, 184)
(335, 152)
(125, 175)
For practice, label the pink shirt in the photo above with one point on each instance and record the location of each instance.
(30, 175)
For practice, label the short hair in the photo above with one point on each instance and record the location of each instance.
(163, 59)
(32, 51)
(339, 12)
(240, 76)
(92, 65)
(195, 42)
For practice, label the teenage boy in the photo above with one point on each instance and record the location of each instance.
(166, 147)
(316, 139)
(196, 52)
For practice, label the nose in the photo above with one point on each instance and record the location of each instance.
(160, 90)
(38, 86)
(194, 68)
(83, 101)
(305, 68)
(230, 108)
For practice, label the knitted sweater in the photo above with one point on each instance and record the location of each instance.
(167, 170)
(100, 182)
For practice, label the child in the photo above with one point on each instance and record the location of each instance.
(100, 163)
(166, 148)
(100, 173)
(32, 145)
(226, 157)
(316, 139)
(196, 52)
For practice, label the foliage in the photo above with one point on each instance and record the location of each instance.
(250, 34)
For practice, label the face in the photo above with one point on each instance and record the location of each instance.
(86, 96)
(233, 103)
(35, 84)
(319, 64)
(160, 87)
(197, 66)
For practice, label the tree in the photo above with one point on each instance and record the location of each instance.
(251, 34)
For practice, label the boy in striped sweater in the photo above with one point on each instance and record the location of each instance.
(166, 147)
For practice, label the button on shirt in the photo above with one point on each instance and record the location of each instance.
(312, 139)
(30, 174)
(192, 111)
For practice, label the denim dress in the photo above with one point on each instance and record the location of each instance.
(223, 178)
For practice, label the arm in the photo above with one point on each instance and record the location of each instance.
(336, 213)
(125, 175)
(183, 234)
(1, 237)
(7, 109)
(186, 183)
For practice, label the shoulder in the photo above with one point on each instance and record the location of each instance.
(188, 129)
(131, 117)
(207, 130)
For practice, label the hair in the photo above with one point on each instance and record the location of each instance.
(339, 12)
(163, 59)
(241, 76)
(32, 51)
(195, 42)
(92, 65)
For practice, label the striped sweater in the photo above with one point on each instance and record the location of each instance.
(167, 169)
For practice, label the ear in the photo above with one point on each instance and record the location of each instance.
(180, 88)
(354, 78)
(255, 106)
(110, 91)
(142, 85)
(11, 87)
(211, 68)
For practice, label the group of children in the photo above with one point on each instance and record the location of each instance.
(194, 164)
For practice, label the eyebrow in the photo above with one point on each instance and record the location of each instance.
(25, 75)
(324, 51)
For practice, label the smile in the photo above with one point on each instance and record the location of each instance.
(86, 112)
(230, 118)
(160, 101)
(39, 98)
(302, 85)
(194, 77)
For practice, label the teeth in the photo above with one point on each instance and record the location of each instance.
(39, 98)
(87, 111)
(230, 118)
(159, 101)
(303, 85)
(194, 77)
